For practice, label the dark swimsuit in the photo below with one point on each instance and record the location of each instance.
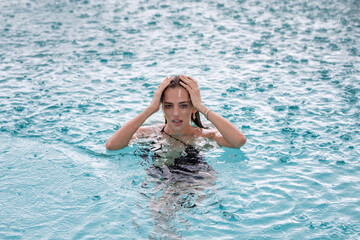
(188, 164)
(192, 155)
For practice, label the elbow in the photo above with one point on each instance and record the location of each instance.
(111, 146)
(241, 140)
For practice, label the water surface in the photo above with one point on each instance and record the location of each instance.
(285, 72)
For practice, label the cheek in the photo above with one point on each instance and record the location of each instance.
(187, 111)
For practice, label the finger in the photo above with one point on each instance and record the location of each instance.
(165, 83)
(167, 80)
(185, 86)
(187, 81)
(193, 80)
(190, 83)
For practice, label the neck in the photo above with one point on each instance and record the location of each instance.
(185, 131)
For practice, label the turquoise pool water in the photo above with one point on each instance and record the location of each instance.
(285, 72)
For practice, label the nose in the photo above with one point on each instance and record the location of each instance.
(176, 111)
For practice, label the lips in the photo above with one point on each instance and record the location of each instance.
(177, 122)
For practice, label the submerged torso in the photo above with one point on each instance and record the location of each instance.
(175, 158)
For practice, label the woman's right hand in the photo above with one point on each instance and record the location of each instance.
(155, 103)
(131, 129)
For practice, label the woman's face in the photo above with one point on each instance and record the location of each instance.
(177, 108)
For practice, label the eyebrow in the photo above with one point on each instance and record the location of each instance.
(178, 103)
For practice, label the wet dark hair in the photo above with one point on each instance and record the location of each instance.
(176, 83)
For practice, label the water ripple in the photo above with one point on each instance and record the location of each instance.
(285, 72)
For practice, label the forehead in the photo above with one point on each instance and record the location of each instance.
(174, 95)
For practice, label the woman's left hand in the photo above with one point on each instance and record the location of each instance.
(191, 85)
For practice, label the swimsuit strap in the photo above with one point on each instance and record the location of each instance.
(163, 131)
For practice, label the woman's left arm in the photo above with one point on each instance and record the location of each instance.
(229, 135)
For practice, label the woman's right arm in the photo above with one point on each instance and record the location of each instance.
(123, 135)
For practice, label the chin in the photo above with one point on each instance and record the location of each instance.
(178, 128)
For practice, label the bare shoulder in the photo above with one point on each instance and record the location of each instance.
(145, 131)
(206, 133)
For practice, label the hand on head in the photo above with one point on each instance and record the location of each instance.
(156, 101)
(192, 87)
(185, 81)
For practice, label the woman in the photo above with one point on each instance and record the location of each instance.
(181, 102)
(180, 174)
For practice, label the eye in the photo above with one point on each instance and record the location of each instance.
(183, 106)
(168, 106)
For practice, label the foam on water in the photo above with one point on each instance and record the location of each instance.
(285, 72)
